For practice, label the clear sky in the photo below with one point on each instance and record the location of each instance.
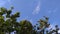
(33, 10)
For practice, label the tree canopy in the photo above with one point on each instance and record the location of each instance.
(8, 24)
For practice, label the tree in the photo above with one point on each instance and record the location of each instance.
(54, 30)
(8, 24)
(43, 24)
(7, 21)
(25, 27)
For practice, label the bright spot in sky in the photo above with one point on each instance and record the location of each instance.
(59, 31)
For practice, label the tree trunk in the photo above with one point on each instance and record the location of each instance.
(9, 32)
(56, 32)
(43, 31)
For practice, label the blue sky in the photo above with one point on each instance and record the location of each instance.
(33, 10)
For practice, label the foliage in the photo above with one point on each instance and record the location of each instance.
(8, 24)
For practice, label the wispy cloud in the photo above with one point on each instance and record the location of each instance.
(37, 9)
(52, 11)
(27, 17)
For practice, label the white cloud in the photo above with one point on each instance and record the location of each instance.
(37, 9)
